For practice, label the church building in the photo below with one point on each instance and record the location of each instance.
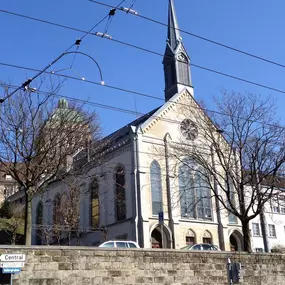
(139, 192)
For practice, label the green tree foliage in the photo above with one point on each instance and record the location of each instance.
(5, 210)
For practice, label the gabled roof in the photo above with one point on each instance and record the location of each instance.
(122, 132)
(115, 140)
(162, 109)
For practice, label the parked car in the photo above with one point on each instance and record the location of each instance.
(201, 246)
(120, 243)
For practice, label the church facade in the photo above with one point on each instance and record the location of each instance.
(139, 192)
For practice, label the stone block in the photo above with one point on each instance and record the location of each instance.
(143, 280)
(45, 258)
(78, 266)
(50, 266)
(44, 281)
(71, 252)
(54, 252)
(59, 258)
(114, 273)
(39, 252)
(64, 266)
(86, 253)
(96, 281)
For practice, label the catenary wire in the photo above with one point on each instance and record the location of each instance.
(129, 91)
(198, 36)
(61, 55)
(157, 53)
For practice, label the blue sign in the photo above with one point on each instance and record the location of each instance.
(161, 217)
(11, 270)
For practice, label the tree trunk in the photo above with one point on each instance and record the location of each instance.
(246, 237)
(28, 219)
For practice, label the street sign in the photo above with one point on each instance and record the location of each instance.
(161, 218)
(13, 257)
(12, 264)
(11, 270)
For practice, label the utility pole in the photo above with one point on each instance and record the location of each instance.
(263, 223)
(217, 202)
(168, 190)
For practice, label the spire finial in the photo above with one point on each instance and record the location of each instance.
(173, 29)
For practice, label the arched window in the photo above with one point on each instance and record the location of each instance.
(156, 188)
(120, 194)
(203, 193)
(186, 189)
(195, 193)
(190, 237)
(231, 189)
(57, 214)
(183, 70)
(39, 223)
(207, 237)
(95, 210)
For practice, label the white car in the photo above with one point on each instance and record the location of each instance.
(120, 244)
(201, 246)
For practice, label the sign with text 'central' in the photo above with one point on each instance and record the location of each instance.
(13, 257)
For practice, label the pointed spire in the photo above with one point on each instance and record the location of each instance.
(176, 60)
(173, 35)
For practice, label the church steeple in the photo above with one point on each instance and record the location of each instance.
(173, 33)
(176, 60)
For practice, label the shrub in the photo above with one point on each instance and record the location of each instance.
(278, 248)
(5, 210)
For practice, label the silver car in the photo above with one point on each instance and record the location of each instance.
(120, 244)
(201, 246)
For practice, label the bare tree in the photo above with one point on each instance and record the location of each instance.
(238, 154)
(38, 141)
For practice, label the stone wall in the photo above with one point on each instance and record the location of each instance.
(86, 266)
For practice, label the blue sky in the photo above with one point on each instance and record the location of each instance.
(253, 26)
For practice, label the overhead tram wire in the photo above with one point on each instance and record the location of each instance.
(153, 52)
(199, 37)
(127, 91)
(76, 43)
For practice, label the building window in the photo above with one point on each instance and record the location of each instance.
(190, 238)
(183, 70)
(39, 223)
(271, 231)
(57, 214)
(8, 177)
(195, 193)
(95, 210)
(207, 237)
(120, 194)
(232, 217)
(156, 188)
(275, 209)
(9, 191)
(255, 229)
